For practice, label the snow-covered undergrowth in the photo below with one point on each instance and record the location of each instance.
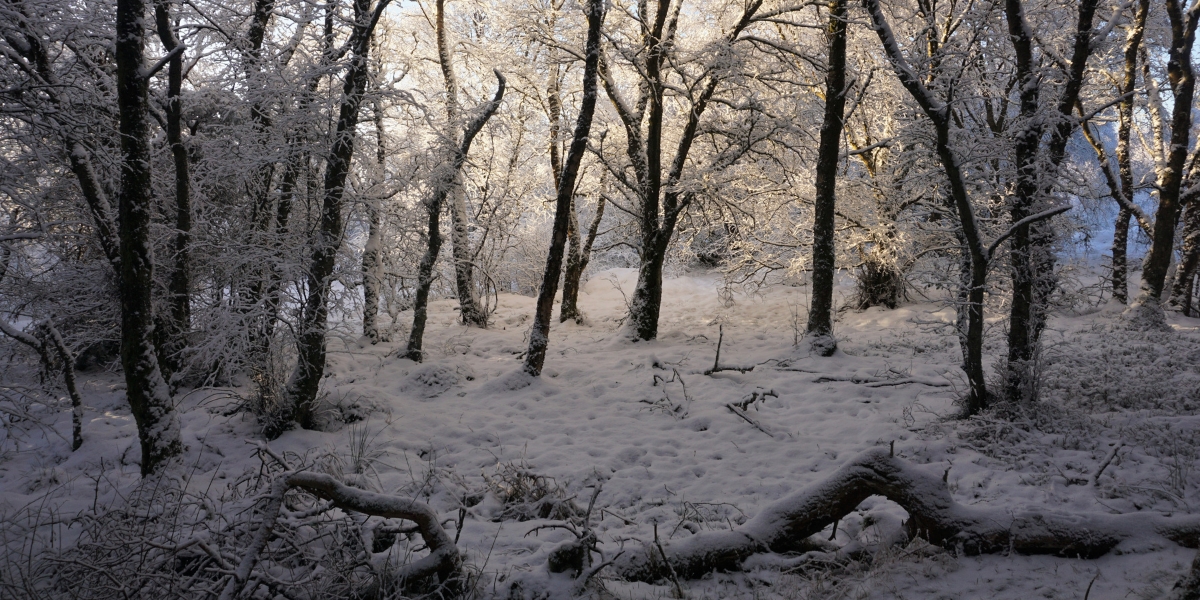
(499, 456)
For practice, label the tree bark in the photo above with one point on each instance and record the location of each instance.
(820, 312)
(147, 391)
(442, 185)
(1171, 175)
(659, 210)
(933, 515)
(1185, 272)
(372, 259)
(1031, 256)
(539, 335)
(1120, 248)
(302, 388)
(179, 286)
(577, 262)
(939, 114)
(470, 310)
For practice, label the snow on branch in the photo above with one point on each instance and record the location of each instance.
(443, 560)
(1045, 214)
(933, 515)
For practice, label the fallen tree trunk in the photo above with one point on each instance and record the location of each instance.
(443, 561)
(933, 515)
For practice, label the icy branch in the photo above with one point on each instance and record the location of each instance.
(1046, 214)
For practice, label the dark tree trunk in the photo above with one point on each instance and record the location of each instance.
(1186, 270)
(939, 114)
(68, 367)
(433, 245)
(1120, 254)
(1183, 83)
(659, 211)
(820, 312)
(179, 287)
(147, 391)
(577, 262)
(302, 389)
(1120, 248)
(1031, 256)
(443, 185)
(539, 335)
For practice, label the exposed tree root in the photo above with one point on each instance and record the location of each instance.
(933, 515)
(443, 561)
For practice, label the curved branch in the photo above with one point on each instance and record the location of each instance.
(443, 561)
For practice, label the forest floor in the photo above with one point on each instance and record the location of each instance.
(648, 423)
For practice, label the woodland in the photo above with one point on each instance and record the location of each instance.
(308, 299)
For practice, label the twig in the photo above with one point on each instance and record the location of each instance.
(611, 513)
(1104, 465)
(735, 410)
(670, 569)
(717, 359)
(1088, 592)
(582, 580)
(717, 368)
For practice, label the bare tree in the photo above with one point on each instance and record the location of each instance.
(301, 394)
(148, 393)
(661, 200)
(443, 183)
(1031, 255)
(820, 313)
(470, 310)
(179, 289)
(539, 335)
(1171, 174)
(1121, 183)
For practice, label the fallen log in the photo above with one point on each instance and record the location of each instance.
(933, 516)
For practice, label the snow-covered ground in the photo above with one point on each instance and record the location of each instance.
(647, 422)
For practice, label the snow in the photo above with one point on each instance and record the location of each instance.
(644, 419)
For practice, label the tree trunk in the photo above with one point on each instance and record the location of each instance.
(470, 309)
(179, 287)
(1120, 248)
(820, 313)
(147, 391)
(460, 242)
(302, 388)
(433, 245)
(1032, 255)
(1181, 292)
(68, 366)
(577, 262)
(933, 516)
(372, 263)
(443, 185)
(659, 211)
(1120, 253)
(939, 114)
(539, 335)
(1183, 83)
(647, 295)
